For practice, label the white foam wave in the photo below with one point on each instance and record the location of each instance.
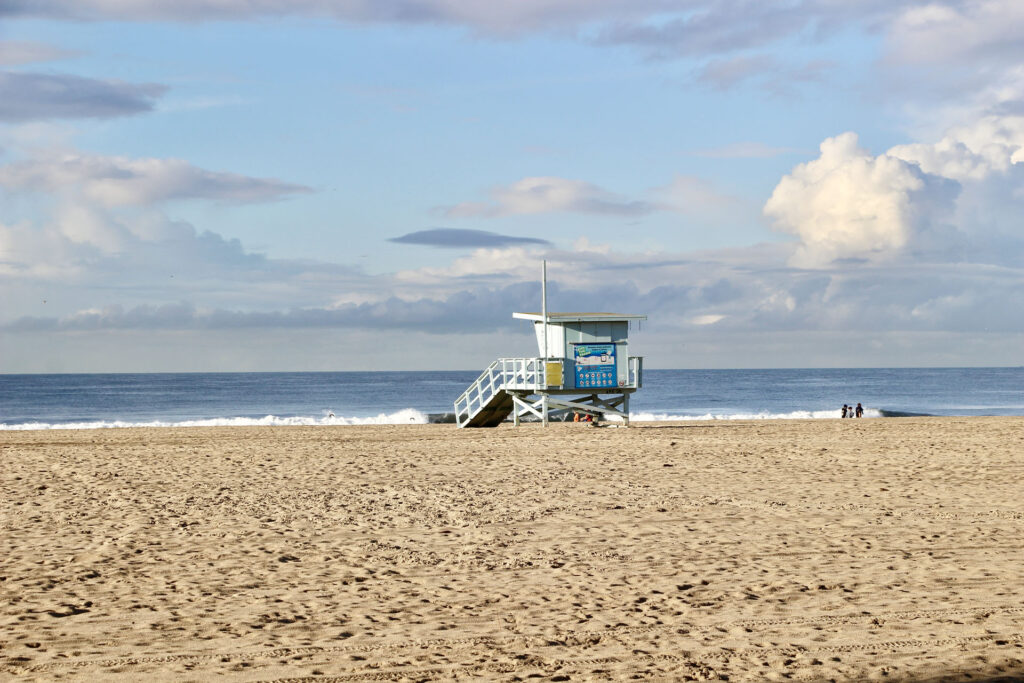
(405, 416)
(795, 415)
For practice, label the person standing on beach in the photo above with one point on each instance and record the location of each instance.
(860, 410)
(845, 409)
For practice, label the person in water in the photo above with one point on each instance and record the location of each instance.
(860, 410)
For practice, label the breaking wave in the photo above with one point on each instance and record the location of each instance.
(795, 415)
(406, 416)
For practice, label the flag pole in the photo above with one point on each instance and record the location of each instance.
(544, 306)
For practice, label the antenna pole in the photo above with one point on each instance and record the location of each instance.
(544, 304)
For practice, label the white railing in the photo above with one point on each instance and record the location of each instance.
(636, 372)
(525, 374)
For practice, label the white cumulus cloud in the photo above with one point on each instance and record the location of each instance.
(991, 145)
(849, 204)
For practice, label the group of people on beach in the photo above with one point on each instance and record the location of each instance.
(850, 411)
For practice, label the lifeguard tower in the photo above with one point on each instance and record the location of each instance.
(583, 366)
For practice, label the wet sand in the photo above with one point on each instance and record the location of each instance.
(849, 550)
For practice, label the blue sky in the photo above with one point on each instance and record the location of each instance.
(333, 185)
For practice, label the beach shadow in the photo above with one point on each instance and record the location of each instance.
(1008, 677)
(703, 425)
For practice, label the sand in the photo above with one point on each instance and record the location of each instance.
(884, 549)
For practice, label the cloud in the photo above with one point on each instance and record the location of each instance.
(701, 199)
(33, 97)
(775, 77)
(986, 159)
(731, 40)
(991, 145)
(491, 17)
(959, 198)
(97, 237)
(850, 204)
(548, 195)
(709, 319)
(667, 27)
(712, 308)
(462, 311)
(85, 259)
(727, 73)
(485, 266)
(959, 60)
(15, 52)
(703, 28)
(959, 34)
(587, 265)
(734, 292)
(453, 238)
(82, 244)
(711, 28)
(120, 181)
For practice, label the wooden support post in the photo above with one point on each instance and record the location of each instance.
(521, 408)
(544, 408)
(625, 409)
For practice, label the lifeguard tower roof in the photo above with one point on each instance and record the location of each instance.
(579, 317)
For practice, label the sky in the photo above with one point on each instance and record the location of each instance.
(275, 185)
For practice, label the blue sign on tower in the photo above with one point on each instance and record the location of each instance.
(595, 366)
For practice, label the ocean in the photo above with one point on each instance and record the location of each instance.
(84, 401)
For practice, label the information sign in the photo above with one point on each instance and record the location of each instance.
(595, 366)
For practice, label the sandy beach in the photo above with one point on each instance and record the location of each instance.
(848, 550)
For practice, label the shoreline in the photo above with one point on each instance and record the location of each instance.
(814, 549)
(449, 419)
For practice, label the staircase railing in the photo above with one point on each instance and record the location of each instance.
(505, 373)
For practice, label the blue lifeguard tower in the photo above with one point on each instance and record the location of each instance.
(583, 366)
